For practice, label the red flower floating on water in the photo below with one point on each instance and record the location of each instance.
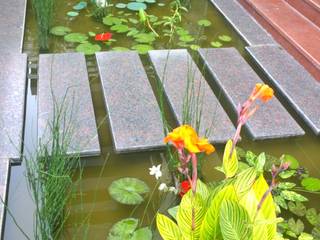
(184, 187)
(103, 36)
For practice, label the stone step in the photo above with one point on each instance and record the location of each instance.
(133, 111)
(4, 185)
(12, 103)
(294, 31)
(246, 26)
(299, 88)
(63, 81)
(12, 18)
(215, 123)
(235, 79)
(309, 8)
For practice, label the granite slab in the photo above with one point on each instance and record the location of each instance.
(296, 84)
(236, 79)
(12, 103)
(63, 87)
(174, 68)
(4, 183)
(12, 20)
(246, 26)
(133, 112)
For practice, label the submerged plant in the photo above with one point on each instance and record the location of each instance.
(44, 13)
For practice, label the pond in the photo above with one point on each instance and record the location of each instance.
(92, 203)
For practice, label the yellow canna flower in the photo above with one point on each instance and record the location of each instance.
(186, 137)
(263, 92)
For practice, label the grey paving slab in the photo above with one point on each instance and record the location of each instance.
(174, 69)
(236, 79)
(243, 22)
(4, 178)
(133, 111)
(63, 81)
(12, 18)
(12, 103)
(290, 78)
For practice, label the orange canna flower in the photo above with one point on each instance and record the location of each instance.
(263, 92)
(186, 137)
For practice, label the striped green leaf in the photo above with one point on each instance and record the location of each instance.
(230, 161)
(167, 228)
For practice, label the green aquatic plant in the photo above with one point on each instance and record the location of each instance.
(43, 10)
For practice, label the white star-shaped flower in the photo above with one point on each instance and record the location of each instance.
(163, 187)
(156, 171)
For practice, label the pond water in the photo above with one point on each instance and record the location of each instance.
(92, 204)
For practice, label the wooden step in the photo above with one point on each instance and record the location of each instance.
(63, 81)
(308, 8)
(215, 123)
(133, 110)
(13, 79)
(245, 25)
(299, 88)
(295, 32)
(235, 79)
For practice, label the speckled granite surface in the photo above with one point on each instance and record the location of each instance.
(236, 78)
(174, 68)
(12, 17)
(133, 111)
(12, 103)
(4, 174)
(63, 80)
(243, 22)
(290, 78)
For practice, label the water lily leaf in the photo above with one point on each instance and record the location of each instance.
(182, 32)
(120, 49)
(194, 47)
(186, 38)
(142, 233)
(311, 184)
(132, 32)
(136, 6)
(133, 20)
(144, 37)
(60, 30)
(128, 191)
(216, 44)
(150, 1)
(294, 164)
(142, 48)
(72, 14)
(110, 20)
(92, 34)
(297, 208)
(123, 229)
(120, 28)
(121, 5)
(75, 37)
(80, 6)
(225, 38)
(88, 48)
(204, 23)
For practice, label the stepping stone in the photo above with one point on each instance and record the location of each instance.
(175, 81)
(63, 81)
(236, 79)
(300, 89)
(12, 18)
(243, 22)
(12, 103)
(133, 111)
(4, 174)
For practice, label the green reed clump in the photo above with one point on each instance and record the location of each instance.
(50, 176)
(43, 10)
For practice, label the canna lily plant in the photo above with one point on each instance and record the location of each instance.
(241, 207)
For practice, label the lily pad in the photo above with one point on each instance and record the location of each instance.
(120, 49)
(132, 32)
(144, 37)
(182, 32)
(161, 4)
(88, 48)
(204, 23)
(92, 34)
(311, 184)
(136, 6)
(128, 191)
(186, 38)
(133, 20)
(225, 38)
(120, 28)
(110, 20)
(121, 5)
(150, 1)
(123, 229)
(194, 47)
(72, 14)
(75, 37)
(142, 48)
(80, 6)
(60, 30)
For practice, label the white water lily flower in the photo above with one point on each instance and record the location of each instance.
(173, 189)
(163, 187)
(156, 171)
(101, 3)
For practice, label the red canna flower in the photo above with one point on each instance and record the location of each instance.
(103, 36)
(184, 187)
